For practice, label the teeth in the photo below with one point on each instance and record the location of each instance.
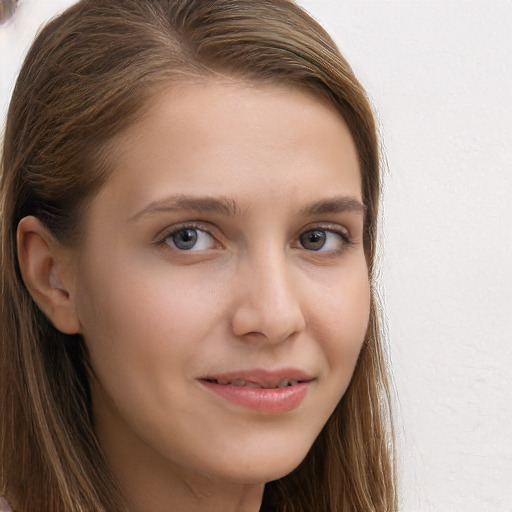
(244, 383)
(252, 385)
(248, 384)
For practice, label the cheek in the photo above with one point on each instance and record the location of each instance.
(144, 340)
(342, 322)
(136, 317)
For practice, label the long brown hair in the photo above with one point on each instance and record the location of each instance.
(87, 76)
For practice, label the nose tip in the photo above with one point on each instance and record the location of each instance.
(268, 306)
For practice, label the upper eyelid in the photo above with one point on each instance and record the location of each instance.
(199, 225)
(347, 239)
(334, 227)
(162, 239)
(214, 232)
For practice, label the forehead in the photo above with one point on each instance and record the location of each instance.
(233, 138)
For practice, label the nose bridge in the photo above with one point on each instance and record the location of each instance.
(268, 302)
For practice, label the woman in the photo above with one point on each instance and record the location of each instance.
(189, 209)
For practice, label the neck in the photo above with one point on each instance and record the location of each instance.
(191, 494)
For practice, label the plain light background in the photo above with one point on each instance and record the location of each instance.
(439, 74)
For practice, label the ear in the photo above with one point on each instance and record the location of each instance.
(46, 274)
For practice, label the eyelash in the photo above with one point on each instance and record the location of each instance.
(346, 240)
(329, 228)
(162, 239)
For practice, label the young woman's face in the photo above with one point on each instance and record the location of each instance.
(221, 286)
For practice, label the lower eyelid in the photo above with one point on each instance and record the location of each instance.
(162, 239)
(210, 240)
(342, 238)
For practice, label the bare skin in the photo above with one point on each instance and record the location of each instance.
(224, 252)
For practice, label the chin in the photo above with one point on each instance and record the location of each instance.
(263, 468)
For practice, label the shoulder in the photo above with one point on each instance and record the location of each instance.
(4, 505)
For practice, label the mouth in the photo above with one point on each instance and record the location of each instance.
(260, 390)
(255, 385)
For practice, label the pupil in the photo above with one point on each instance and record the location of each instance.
(313, 240)
(185, 239)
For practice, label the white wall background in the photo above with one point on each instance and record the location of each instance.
(440, 76)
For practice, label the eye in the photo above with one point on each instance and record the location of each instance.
(190, 239)
(323, 240)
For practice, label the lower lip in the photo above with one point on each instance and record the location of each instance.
(273, 400)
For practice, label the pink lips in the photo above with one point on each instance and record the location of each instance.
(261, 390)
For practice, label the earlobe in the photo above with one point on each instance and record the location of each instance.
(41, 263)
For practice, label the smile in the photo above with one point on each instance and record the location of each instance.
(249, 384)
(262, 391)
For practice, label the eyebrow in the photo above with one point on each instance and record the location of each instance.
(228, 207)
(334, 205)
(220, 205)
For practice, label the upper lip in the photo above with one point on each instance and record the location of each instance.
(262, 377)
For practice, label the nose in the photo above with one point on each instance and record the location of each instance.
(267, 301)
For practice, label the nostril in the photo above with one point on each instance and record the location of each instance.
(260, 327)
